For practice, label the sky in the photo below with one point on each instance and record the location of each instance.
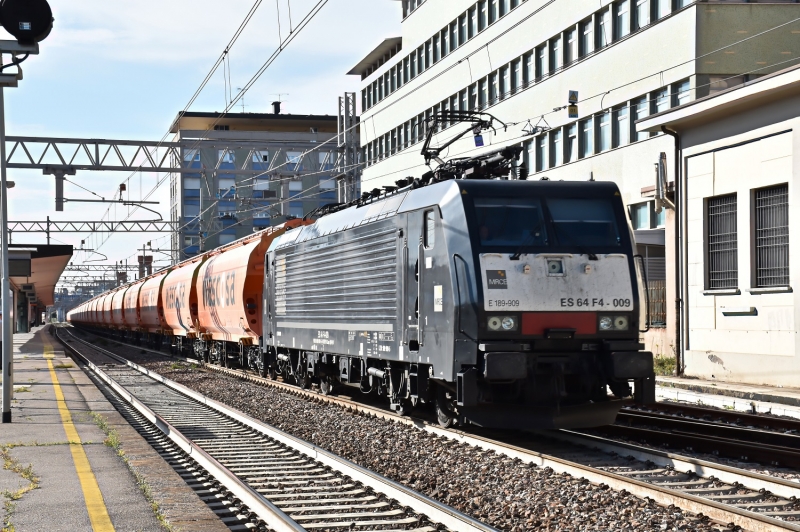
(124, 69)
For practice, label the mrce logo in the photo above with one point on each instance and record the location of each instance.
(496, 280)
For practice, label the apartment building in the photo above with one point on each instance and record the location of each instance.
(519, 60)
(253, 170)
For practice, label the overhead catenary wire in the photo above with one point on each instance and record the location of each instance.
(281, 47)
(585, 99)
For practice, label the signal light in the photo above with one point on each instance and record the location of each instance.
(29, 21)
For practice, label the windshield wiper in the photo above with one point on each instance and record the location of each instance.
(533, 234)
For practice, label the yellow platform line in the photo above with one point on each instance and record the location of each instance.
(98, 514)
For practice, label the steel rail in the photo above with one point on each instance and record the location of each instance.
(263, 508)
(717, 511)
(699, 413)
(420, 503)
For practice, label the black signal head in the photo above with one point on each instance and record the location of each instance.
(29, 21)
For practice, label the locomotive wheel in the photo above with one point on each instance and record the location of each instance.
(272, 374)
(444, 410)
(304, 381)
(404, 407)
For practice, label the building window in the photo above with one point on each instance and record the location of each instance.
(571, 46)
(260, 156)
(528, 155)
(462, 30)
(660, 100)
(516, 75)
(191, 155)
(504, 82)
(472, 23)
(622, 23)
(226, 238)
(586, 44)
(327, 189)
(294, 161)
(453, 35)
(541, 152)
(493, 15)
(296, 209)
(225, 156)
(571, 143)
(556, 54)
(721, 236)
(641, 16)
(445, 39)
(527, 68)
(481, 15)
(295, 188)
(585, 144)
(772, 236)
(622, 129)
(191, 183)
(556, 148)
(640, 215)
(435, 46)
(638, 111)
(493, 88)
(482, 93)
(541, 61)
(603, 131)
(604, 28)
(681, 93)
(661, 8)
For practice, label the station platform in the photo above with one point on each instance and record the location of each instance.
(730, 395)
(59, 474)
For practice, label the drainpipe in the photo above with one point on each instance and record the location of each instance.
(679, 238)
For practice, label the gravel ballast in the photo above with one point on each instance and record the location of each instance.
(505, 493)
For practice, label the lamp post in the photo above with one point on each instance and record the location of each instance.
(28, 21)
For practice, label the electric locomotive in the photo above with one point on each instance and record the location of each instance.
(506, 303)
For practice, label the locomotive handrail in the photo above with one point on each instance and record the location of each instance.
(646, 295)
(458, 291)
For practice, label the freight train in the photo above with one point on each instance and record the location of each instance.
(503, 303)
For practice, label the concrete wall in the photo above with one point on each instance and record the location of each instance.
(738, 154)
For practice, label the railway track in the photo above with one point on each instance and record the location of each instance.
(272, 479)
(714, 437)
(730, 496)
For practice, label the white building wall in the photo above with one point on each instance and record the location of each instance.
(757, 341)
(620, 66)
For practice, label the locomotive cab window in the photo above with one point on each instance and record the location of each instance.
(510, 222)
(584, 222)
(430, 229)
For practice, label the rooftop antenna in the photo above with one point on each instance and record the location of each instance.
(241, 99)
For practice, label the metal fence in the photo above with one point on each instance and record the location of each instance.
(772, 236)
(722, 262)
(657, 292)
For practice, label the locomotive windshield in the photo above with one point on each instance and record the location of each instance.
(510, 221)
(530, 222)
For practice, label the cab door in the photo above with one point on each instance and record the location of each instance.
(411, 276)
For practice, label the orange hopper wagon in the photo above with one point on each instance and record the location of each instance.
(152, 327)
(229, 286)
(179, 302)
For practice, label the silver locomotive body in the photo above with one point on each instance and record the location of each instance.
(506, 303)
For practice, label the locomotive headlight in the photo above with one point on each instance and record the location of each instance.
(606, 323)
(502, 323)
(621, 323)
(509, 323)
